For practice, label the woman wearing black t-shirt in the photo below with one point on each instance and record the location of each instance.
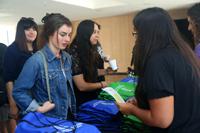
(16, 55)
(85, 62)
(168, 90)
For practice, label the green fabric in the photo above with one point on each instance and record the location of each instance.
(130, 123)
(125, 90)
(133, 118)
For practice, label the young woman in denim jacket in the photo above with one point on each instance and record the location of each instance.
(57, 34)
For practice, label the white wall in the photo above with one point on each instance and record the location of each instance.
(7, 34)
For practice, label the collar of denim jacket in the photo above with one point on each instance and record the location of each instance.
(48, 53)
(51, 56)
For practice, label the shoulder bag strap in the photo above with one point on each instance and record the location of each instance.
(46, 74)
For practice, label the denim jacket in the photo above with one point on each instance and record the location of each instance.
(197, 50)
(30, 89)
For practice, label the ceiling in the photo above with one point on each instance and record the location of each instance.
(12, 10)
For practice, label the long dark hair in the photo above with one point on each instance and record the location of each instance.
(85, 48)
(52, 22)
(156, 30)
(194, 14)
(20, 37)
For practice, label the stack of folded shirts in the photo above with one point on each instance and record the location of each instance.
(104, 114)
(125, 90)
(131, 124)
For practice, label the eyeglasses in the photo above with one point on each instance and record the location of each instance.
(134, 33)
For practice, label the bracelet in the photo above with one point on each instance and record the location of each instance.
(101, 84)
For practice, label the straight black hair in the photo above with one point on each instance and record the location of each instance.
(156, 30)
(86, 50)
(20, 37)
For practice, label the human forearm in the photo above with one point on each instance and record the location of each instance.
(130, 109)
(160, 114)
(13, 107)
(82, 85)
(149, 118)
(22, 95)
(107, 71)
(102, 72)
(9, 88)
(91, 86)
(144, 115)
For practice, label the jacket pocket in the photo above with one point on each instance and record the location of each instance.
(53, 80)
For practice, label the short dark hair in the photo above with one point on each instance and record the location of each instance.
(52, 22)
(194, 14)
(20, 37)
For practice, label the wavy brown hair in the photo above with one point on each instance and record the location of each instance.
(52, 22)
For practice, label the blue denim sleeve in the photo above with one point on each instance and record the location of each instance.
(197, 50)
(25, 82)
(33, 106)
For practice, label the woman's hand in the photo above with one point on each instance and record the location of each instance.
(109, 70)
(125, 108)
(132, 100)
(46, 107)
(106, 58)
(13, 111)
(103, 84)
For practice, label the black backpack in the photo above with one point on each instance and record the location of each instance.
(3, 94)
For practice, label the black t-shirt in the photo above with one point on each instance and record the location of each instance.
(13, 62)
(3, 95)
(100, 65)
(77, 69)
(2, 52)
(168, 73)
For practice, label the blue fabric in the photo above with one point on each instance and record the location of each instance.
(94, 117)
(103, 106)
(130, 79)
(39, 123)
(30, 89)
(14, 60)
(197, 50)
(102, 113)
